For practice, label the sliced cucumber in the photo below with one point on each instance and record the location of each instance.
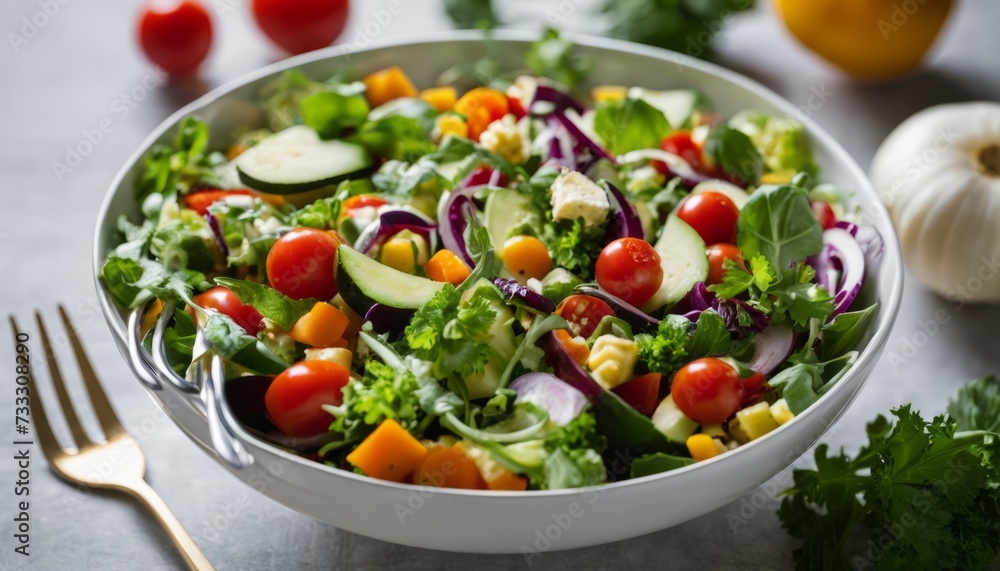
(506, 209)
(735, 193)
(671, 422)
(684, 263)
(297, 160)
(677, 105)
(501, 339)
(363, 282)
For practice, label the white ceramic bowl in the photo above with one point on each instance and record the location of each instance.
(477, 521)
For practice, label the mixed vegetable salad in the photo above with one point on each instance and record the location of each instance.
(503, 287)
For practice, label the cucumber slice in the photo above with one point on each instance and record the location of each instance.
(677, 105)
(501, 339)
(506, 209)
(363, 282)
(684, 263)
(671, 422)
(735, 193)
(297, 160)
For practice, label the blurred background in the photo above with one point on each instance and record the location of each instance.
(70, 67)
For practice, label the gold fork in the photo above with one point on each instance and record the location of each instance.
(116, 463)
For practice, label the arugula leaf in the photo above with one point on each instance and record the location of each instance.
(132, 283)
(656, 463)
(403, 179)
(471, 13)
(844, 332)
(272, 304)
(781, 141)
(481, 250)
(232, 343)
(555, 58)
(394, 137)
(799, 386)
(178, 340)
(170, 169)
(336, 108)
(629, 124)
(710, 336)
(778, 224)
(977, 405)
(735, 153)
(452, 334)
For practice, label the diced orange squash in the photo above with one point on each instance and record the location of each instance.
(608, 93)
(388, 453)
(575, 347)
(482, 106)
(388, 84)
(323, 326)
(702, 447)
(446, 267)
(449, 467)
(441, 98)
(495, 475)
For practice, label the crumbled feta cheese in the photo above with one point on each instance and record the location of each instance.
(523, 89)
(266, 225)
(504, 138)
(574, 195)
(612, 360)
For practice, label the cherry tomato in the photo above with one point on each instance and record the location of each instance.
(754, 386)
(299, 26)
(175, 34)
(294, 399)
(630, 269)
(227, 303)
(301, 264)
(707, 390)
(199, 201)
(712, 214)
(717, 256)
(824, 214)
(680, 143)
(584, 313)
(515, 107)
(361, 201)
(642, 393)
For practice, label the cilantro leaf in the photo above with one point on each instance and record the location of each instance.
(629, 124)
(778, 223)
(452, 334)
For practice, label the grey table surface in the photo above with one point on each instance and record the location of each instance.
(75, 72)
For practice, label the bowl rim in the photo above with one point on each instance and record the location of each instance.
(892, 258)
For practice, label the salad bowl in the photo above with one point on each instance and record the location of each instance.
(528, 522)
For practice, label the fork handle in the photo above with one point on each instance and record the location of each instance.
(193, 557)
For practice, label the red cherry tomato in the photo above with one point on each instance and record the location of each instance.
(707, 390)
(642, 393)
(712, 214)
(227, 303)
(680, 143)
(361, 201)
(301, 264)
(199, 201)
(175, 34)
(824, 214)
(584, 313)
(717, 256)
(299, 26)
(753, 385)
(630, 269)
(294, 399)
(515, 107)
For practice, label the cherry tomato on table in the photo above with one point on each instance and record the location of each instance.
(175, 34)
(584, 313)
(707, 390)
(712, 214)
(717, 256)
(630, 269)
(227, 303)
(301, 264)
(294, 399)
(299, 26)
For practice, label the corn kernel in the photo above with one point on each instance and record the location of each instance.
(702, 447)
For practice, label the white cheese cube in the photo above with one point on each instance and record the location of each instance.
(780, 412)
(574, 196)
